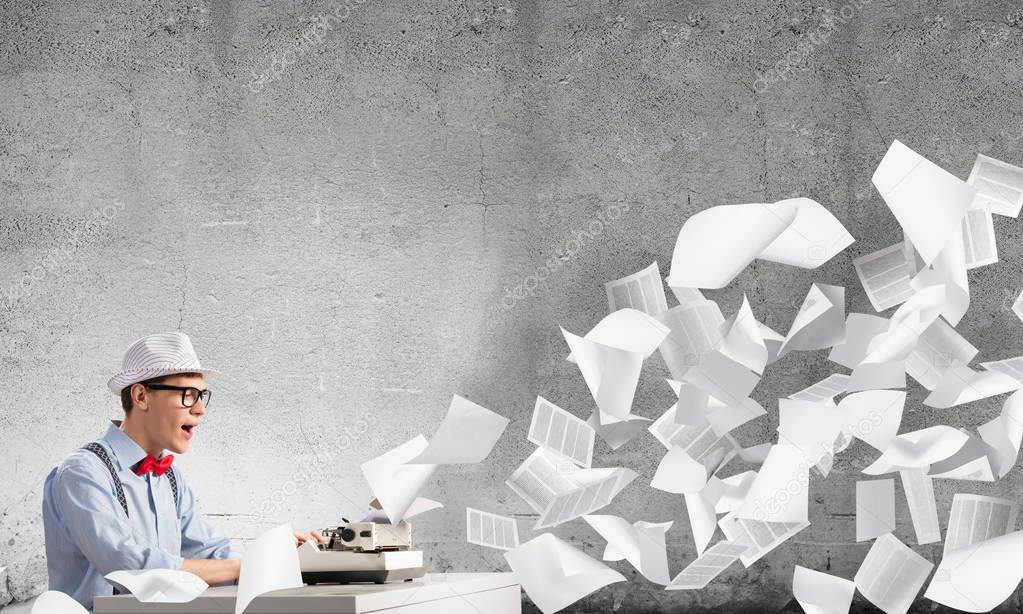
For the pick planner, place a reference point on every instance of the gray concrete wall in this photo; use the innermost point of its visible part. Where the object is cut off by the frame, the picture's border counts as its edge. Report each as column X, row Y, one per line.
column 337, row 213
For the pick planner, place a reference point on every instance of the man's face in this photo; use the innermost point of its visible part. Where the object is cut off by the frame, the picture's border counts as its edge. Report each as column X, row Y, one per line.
column 167, row 422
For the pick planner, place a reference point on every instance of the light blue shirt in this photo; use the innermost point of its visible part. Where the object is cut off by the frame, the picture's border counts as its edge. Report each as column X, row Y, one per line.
column 88, row 536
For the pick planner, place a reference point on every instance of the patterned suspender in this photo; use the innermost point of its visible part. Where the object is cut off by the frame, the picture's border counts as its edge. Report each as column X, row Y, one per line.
column 101, row 452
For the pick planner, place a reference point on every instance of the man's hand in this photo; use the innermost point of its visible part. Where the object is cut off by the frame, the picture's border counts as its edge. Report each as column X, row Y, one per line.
column 301, row 538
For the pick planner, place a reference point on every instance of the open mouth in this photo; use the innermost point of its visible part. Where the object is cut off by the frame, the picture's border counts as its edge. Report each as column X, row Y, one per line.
column 188, row 428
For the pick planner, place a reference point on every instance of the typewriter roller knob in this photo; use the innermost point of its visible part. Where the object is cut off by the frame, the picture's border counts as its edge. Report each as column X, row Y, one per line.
column 347, row 534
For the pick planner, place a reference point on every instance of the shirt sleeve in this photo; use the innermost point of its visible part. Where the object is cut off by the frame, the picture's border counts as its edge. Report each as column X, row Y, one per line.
column 97, row 524
column 198, row 539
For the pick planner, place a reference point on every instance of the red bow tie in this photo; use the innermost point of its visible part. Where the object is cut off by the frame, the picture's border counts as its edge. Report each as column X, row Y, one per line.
column 158, row 467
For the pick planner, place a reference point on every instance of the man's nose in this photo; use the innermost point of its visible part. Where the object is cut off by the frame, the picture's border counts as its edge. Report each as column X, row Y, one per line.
column 199, row 408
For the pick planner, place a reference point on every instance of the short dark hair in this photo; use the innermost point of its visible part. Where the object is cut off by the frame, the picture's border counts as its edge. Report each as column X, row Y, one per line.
column 126, row 403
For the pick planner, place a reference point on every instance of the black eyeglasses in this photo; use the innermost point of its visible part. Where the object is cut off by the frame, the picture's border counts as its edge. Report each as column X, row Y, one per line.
column 189, row 396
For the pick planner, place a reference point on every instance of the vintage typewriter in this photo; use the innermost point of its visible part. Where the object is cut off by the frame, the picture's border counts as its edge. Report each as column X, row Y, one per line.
column 362, row 552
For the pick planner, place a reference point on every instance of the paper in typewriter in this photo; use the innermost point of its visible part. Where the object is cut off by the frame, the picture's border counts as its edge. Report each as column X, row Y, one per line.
column 824, row 390
column 643, row 291
column 761, row 537
column 707, row 566
column 557, row 430
column 999, row 185
column 891, row 574
column 885, row 275
column 486, row 529
column 975, row 518
column 938, row 346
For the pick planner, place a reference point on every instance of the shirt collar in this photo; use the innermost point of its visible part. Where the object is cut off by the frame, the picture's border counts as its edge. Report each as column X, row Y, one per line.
column 128, row 452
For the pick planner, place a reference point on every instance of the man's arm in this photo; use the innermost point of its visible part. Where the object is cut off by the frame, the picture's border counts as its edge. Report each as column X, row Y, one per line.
column 82, row 497
column 198, row 539
column 214, row 571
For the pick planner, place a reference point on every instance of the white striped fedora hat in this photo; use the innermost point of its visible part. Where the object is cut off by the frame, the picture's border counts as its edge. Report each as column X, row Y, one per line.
column 156, row 356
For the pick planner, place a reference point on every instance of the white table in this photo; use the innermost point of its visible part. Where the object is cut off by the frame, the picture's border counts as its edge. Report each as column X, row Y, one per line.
column 453, row 593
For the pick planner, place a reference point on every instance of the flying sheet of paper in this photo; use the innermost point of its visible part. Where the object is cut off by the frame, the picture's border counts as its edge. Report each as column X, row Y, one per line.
column 490, row 530
column 695, row 328
column 722, row 378
column 875, row 508
column 742, row 340
column 559, row 431
column 937, row 348
column 860, row 329
column 685, row 296
column 919, row 489
column 419, row 506
column 979, row 236
column 971, row 462
column 610, row 373
column 698, row 441
column 975, row 518
column 594, row 489
column 466, row 436
column 555, row 575
column 999, row 185
column 918, row 449
column 979, row 577
column 892, row 574
column 630, row 330
column 905, row 326
column 820, row 322
column 640, row 543
column 707, row 566
column 617, row 434
column 394, row 481
column 727, row 494
column 542, row 477
column 761, row 537
column 872, row 416
column 716, row 244
column 1004, row 433
column 885, row 275
column 821, row 593
column 680, row 473
column 948, row 270
column 785, row 471
column 270, row 564
column 961, row 384
column 692, row 403
column 825, row 390
column 56, row 602
column 928, row 201
column 643, row 291
column 158, row 585
column 811, row 427
column 1013, row 367
column 703, row 520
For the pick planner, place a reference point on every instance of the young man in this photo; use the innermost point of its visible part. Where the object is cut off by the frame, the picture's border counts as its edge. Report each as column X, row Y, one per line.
column 117, row 503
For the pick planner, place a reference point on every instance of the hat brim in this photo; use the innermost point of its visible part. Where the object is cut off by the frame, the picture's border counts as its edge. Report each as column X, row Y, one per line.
column 122, row 380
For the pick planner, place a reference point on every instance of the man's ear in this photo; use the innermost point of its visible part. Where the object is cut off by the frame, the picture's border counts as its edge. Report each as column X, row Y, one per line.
column 139, row 398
